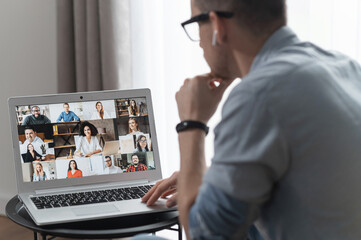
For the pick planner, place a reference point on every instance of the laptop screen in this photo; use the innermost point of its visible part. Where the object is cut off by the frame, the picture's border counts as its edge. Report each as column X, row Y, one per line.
column 85, row 138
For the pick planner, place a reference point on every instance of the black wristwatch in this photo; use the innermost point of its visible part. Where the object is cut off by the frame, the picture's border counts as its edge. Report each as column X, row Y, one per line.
column 185, row 125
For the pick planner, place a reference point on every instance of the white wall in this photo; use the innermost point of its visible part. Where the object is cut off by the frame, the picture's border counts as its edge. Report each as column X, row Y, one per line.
column 27, row 66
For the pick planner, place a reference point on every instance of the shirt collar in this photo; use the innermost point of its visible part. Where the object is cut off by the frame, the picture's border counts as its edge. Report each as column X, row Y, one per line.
column 283, row 37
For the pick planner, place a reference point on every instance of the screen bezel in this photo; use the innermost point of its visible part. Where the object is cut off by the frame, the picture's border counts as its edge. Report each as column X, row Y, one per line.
column 151, row 175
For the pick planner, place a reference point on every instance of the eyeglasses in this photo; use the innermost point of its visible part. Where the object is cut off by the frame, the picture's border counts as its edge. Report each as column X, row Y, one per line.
column 36, row 110
column 191, row 26
column 143, row 141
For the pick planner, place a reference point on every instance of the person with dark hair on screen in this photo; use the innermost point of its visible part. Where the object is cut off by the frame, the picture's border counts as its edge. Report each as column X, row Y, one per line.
column 100, row 112
column 36, row 118
column 88, row 143
column 67, row 115
column 142, row 145
column 110, row 168
column 136, row 165
column 287, row 151
column 32, row 155
column 133, row 109
column 73, row 171
column 31, row 137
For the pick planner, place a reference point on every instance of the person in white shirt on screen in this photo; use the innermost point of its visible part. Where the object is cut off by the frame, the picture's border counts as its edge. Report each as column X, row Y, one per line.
column 31, row 138
column 88, row 143
column 100, row 113
column 110, row 168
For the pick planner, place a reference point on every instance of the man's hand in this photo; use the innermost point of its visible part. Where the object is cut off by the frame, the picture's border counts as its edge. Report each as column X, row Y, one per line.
column 163, row 189
column 199, row 97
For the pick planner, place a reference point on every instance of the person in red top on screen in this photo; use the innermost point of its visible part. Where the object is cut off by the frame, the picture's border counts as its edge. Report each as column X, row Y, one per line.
column 73, row 170
column 136, row 166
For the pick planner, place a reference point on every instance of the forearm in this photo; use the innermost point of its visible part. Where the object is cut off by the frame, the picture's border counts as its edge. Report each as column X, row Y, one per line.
column 193, row 166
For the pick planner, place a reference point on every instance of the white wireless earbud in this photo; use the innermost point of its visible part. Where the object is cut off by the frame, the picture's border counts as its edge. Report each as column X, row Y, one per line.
column 214, row 38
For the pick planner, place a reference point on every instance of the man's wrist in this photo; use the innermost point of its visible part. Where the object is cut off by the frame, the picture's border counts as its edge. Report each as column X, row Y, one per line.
column 191, row 125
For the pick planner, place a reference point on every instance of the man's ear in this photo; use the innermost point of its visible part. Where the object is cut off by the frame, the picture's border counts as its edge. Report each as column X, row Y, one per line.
column 218, row 27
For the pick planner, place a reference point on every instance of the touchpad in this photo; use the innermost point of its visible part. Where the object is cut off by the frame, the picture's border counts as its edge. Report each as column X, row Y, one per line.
column 103, row 209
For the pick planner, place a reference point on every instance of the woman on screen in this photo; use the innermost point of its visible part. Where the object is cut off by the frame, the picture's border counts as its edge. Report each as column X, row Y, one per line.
column 100, row 113
column 133, row 109
column 73, row 170
column 32, row 155
column 39, row 174
column 133, row 127
column 88, row 143
column 142, row 145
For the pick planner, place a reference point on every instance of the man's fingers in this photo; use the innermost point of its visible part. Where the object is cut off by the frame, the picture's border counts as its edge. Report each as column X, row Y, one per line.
column 168, row 192
column 171, row 202
column 157, row 193
column 150, row 192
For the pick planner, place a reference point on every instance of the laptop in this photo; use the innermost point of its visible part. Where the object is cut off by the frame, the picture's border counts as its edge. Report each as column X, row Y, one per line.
column 66, row 176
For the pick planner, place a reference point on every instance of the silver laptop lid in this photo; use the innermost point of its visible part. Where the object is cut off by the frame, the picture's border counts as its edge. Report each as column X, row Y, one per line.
column 58, row 139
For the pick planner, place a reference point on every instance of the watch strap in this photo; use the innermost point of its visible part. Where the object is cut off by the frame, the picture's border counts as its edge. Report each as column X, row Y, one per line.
column 186, row 125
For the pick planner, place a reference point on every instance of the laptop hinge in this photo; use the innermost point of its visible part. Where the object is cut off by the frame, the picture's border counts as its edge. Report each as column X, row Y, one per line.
column 91, row 187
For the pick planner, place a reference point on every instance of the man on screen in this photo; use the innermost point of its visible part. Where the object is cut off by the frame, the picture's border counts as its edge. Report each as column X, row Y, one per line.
column 31, row 138
column 36, row 118
column 67, row 115
column 136, row 166
column 110, row 168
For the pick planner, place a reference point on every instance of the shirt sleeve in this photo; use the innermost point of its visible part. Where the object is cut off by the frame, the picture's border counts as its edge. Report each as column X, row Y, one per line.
column 97, row 145
column 26, row 121
column 60, row 117
column 251, row 152
column 217, row 215
column 47, row 120
column 76, row 118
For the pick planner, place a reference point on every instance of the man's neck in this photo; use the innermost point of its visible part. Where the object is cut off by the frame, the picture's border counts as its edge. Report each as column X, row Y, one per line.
column 246, row 54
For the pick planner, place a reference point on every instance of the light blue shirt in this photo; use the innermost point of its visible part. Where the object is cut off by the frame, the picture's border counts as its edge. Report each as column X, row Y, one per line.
column 287, row 150
column 68, row 117
column 39, row 178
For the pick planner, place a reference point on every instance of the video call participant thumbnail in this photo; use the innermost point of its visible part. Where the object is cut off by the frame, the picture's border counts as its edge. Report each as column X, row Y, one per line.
column 110, row 168
column 133, row 127
column 39, row 174
column 142, row 145
column 73, row 171
column 136, row 166
column 100, row 112
column 88, row 143
column 31, row 137
column 36, row 118
column 32, row 155
column 67, row 115
column 133, row 109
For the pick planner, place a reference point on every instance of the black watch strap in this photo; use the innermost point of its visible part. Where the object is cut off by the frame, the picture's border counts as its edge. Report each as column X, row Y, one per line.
column 185, row 125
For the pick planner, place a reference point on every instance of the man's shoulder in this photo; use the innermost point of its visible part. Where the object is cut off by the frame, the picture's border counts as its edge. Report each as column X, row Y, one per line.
column 290, row 69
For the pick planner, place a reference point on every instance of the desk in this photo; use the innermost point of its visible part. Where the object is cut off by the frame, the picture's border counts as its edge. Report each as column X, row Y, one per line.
column 104, row 228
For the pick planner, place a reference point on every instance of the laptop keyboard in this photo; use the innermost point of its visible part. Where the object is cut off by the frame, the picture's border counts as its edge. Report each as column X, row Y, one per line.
column 82, row 198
